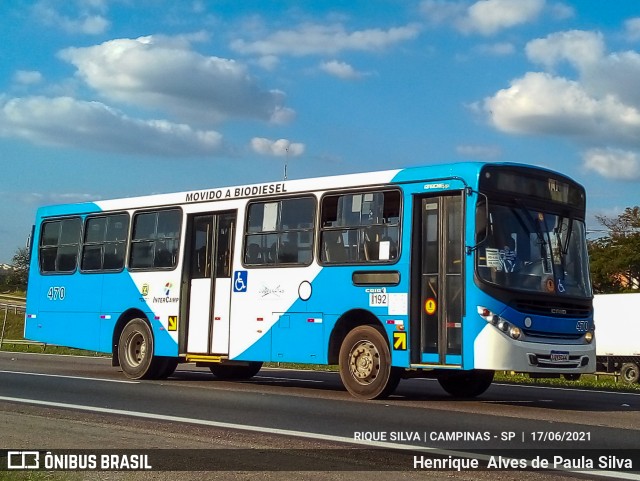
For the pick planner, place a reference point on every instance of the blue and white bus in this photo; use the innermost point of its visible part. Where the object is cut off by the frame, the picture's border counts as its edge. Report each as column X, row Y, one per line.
column 450, row 271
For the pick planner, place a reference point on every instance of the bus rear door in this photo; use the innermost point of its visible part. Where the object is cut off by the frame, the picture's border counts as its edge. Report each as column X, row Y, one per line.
column 208, row 283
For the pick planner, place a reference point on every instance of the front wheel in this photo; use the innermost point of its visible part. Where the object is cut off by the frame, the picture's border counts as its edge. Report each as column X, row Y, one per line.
column 630, row 372
column 466, row 384
column 365, row 364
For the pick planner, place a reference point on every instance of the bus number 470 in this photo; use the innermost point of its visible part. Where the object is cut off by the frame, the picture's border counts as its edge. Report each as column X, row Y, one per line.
column 582, row 326
column 56, row 293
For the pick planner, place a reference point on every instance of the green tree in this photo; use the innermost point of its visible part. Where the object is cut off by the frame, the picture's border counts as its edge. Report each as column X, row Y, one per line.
column 19, row 276
column 615, row 257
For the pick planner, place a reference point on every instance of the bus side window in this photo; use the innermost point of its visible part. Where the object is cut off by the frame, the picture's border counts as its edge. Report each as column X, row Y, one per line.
column 155, row 240
column 280, row 232
column 360, row 228
column 104, row 244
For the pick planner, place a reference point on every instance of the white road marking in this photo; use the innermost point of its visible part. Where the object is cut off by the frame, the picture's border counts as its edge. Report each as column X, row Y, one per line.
column 123, row 381
column 570, row 389
column 551, row 388
column 298, row 434
column 286, row 379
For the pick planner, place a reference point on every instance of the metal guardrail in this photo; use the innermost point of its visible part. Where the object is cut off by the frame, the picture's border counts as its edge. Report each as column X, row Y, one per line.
column 23, row 342
column 12, row 307
column 7, row 308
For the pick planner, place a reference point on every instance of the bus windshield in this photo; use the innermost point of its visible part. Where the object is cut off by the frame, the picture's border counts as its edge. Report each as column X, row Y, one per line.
column 534, row 251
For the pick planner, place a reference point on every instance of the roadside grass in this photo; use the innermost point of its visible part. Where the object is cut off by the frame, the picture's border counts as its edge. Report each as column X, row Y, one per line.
column 587, row 381
column 14, row 331
column 14, row 327
column 594, row 382
column 38, row 476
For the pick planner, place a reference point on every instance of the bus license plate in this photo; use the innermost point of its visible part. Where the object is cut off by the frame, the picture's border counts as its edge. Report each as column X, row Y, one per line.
column 559, row 356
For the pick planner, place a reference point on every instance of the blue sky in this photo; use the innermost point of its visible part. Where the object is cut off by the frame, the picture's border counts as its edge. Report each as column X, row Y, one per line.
column 113, row 98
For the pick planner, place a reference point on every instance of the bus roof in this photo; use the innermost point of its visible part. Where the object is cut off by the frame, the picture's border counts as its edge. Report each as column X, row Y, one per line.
column 469, row 171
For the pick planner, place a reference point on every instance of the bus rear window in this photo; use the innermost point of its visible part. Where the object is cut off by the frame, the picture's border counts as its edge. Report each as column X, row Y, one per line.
column 59, row 242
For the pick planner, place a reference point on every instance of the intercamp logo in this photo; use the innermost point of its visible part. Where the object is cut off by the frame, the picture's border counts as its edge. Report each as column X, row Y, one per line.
column 23, row 460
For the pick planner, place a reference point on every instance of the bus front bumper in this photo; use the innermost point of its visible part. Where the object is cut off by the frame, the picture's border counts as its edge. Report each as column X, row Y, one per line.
column 495, row 351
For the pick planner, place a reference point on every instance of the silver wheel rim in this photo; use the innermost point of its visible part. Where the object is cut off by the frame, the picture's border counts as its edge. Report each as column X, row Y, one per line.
column 364, row 362
column 136, row 349
column 630, row 374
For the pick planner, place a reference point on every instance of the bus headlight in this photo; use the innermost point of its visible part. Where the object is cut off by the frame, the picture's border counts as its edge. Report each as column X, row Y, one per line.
column 515, row 332
column 500, row 323
column 588, row 337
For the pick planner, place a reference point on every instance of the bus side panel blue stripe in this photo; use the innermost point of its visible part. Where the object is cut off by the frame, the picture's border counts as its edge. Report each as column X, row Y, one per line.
column 333, row 295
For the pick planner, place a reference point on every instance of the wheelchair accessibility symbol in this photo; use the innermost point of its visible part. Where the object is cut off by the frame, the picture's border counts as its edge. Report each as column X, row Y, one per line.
column 240, row 281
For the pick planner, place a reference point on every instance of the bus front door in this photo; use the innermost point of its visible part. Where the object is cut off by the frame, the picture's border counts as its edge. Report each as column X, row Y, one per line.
column 437, row 278
column 209, row 282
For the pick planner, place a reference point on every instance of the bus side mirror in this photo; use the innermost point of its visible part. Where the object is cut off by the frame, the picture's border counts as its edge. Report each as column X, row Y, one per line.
column 482, row 224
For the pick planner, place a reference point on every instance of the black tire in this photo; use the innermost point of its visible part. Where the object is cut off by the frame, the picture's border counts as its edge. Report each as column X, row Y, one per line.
column 166, row 366
column 571, row 377
column 365, row 364
column 466, row 384
column 135, row 353
column 233, row 371
column 630, row 372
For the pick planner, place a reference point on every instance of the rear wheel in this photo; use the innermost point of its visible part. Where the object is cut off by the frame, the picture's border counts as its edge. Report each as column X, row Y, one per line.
column 630, row 372
column 135, row 353
column 365, row 364
column 466, row 384
column 235, row 371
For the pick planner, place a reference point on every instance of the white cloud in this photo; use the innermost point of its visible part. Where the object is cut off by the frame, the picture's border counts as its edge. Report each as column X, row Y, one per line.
column 499, row 49
column 88, row 16
column 600, row 73
column 38, row 198
column 632, row 29
column 613, row 163
column 163, row 73
column 312, row 39
column 340, row 69
column 488, row 17
column 441, row 11
column 67, row 122
column 561, row 11
column 276, row 148
column 539, row 103
column 268, row 62
column 486, row 152
column 598, row 106
column 484, row 17
column 27, row 77
column 580, row 48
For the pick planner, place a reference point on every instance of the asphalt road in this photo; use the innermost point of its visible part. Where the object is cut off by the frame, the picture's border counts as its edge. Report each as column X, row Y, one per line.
column 58, row 402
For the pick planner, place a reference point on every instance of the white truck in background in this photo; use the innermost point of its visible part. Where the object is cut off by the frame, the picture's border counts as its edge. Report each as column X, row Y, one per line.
column 617, row 321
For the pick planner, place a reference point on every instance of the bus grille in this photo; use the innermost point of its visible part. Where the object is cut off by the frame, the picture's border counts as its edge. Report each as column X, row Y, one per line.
column 546, row 336
column 557, row 309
